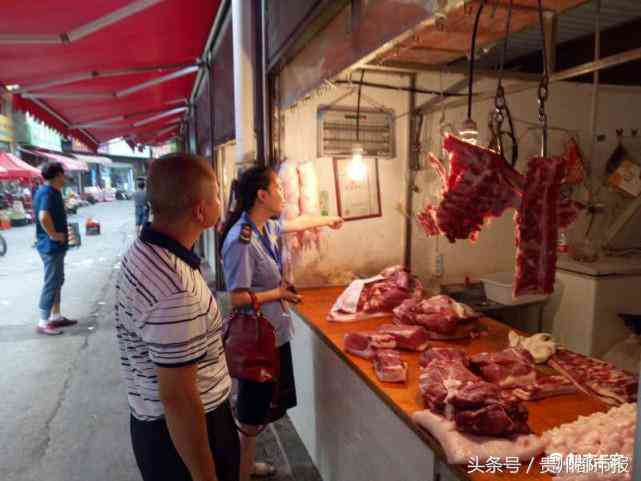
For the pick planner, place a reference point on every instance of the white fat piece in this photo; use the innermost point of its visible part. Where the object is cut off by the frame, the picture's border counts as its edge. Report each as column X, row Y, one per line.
column 541, row 346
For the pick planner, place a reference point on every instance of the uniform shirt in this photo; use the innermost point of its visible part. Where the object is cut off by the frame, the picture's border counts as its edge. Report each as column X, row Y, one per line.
column 50, row 199
column 166, row 316
column 251, row 266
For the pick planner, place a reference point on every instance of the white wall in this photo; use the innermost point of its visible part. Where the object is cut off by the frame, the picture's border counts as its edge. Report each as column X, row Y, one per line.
column 362, row 246
column 569, row 106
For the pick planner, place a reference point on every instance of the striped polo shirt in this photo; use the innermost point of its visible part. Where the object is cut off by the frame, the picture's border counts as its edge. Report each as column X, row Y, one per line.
column 166, row 316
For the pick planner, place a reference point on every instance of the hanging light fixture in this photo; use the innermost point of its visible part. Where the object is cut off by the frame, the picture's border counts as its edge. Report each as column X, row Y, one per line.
column 469, row 130
column 357, row 170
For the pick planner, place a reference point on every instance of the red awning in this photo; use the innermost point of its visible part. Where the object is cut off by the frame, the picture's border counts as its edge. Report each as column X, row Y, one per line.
column 100, row 70
column 12, row 168
column 69, row 164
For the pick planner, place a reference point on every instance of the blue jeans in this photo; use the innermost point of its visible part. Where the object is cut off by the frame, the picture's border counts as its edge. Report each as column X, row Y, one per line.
column 54, row 279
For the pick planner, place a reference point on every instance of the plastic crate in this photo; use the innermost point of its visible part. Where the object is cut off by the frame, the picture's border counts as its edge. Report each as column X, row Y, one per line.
column 499, row 287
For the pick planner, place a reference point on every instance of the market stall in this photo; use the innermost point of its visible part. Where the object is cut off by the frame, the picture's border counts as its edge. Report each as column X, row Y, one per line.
column 444, row 185
column 16, row 180
column 346, row 412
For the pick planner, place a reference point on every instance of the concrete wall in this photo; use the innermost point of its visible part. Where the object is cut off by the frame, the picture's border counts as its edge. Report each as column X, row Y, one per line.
column 361, row 246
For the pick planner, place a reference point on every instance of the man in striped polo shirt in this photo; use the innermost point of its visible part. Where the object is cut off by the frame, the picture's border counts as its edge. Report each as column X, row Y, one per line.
column 169, row 331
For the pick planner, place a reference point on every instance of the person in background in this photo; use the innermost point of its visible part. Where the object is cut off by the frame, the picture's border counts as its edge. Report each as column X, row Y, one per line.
column 252, row 261
column 169, row 326
column 142, row 211
column 51, row 234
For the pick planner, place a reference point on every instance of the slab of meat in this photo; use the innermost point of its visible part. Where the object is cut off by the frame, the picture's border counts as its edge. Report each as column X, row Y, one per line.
column 537, row 227
column 389, row 366
column 601, row 433
column 411, row 338
column 365, row 343
column 397, row 285
column 574, row 168
column 309, row 203
column 595, row 377
column 544, row 387
column 427, row 220
column 475, row 406
column 444, row 354
column 288, row 174
column 438, row 375
column 439, row 314
column 460, row 447
column 512, row 367
column 480, row 185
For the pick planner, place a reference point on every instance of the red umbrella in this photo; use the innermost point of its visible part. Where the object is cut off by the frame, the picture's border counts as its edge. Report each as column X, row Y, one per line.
column 12, row 168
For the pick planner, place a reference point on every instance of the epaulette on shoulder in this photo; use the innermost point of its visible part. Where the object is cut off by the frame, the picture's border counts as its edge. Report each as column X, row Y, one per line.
column 245, row 236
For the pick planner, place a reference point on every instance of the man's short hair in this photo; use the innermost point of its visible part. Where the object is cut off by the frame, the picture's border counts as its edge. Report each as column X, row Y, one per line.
column 51, row 169
column 177, row 182
column 141, row 185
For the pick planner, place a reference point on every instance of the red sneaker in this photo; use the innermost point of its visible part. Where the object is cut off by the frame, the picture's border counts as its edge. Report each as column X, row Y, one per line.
column 63, row 322
column 48, row 330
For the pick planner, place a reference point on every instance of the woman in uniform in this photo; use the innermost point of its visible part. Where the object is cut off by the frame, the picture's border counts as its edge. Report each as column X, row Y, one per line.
column 252, row 261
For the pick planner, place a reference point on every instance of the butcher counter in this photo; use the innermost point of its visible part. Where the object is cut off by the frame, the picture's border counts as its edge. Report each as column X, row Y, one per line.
column 359, row 429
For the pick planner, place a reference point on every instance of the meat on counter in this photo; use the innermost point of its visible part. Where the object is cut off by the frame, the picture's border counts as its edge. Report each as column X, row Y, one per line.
column 389, row 366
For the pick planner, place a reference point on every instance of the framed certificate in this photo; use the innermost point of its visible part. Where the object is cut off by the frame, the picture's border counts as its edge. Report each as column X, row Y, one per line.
column 357, row 198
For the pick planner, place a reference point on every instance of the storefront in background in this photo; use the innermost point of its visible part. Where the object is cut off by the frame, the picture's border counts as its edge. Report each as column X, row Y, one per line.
column 6, row 133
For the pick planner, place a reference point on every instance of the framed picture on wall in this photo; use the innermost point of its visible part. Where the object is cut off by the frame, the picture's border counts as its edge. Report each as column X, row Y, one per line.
column 358, row 194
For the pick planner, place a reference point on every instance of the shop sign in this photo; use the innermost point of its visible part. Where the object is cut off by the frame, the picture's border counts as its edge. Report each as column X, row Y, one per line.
column 42, row 136
column 6, row 129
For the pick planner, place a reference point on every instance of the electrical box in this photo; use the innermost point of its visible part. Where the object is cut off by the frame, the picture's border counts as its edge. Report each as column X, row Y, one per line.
column 337, row 132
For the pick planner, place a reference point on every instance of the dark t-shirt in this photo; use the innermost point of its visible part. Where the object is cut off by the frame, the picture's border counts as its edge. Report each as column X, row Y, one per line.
column 49, row 199
column 140, row 200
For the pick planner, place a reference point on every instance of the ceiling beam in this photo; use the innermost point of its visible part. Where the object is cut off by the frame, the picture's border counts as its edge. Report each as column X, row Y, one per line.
column 68, row 96
column 415, row 67
column 157, row 81
column 109, row 19
column 79, row 77
column 83, row 30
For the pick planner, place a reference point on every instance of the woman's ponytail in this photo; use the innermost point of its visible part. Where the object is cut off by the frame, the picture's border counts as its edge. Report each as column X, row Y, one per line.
column 245, row 191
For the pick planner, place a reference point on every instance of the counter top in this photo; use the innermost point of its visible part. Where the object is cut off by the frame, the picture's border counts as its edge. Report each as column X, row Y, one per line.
column 604, row 266
column 406, row 398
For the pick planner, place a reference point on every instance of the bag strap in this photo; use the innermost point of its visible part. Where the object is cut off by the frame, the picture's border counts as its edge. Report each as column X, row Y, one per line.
column 255, row 303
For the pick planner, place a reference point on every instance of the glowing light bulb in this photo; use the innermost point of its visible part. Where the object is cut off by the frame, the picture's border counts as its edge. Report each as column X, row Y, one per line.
column 469, row 131
column 357, row 170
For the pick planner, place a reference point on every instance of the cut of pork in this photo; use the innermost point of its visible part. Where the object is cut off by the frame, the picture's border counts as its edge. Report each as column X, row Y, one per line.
column 512, row 367
column 440, row 315
column 537, row 223
column 411, row 338
column 476, row 406
column 544, row 387
column 596, row 377
column 480, row 185
column 389, row 366
column 365, row 343
column 444, row 354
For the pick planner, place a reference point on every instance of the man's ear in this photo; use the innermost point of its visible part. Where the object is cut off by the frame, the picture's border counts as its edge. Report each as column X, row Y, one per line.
column 198, row 211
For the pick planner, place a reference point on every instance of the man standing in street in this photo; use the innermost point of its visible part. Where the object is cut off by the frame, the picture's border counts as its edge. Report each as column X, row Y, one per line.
column 51, row 235
column 140, row 202
column 169, row 332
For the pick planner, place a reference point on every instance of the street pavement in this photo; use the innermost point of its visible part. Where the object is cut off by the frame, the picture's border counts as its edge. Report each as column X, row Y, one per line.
column 64, row 413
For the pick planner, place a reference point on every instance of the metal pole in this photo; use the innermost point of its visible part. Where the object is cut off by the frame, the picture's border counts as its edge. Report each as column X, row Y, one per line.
column 412, row 160
column 595, row 91
column 636, row 459
column 259, row 84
